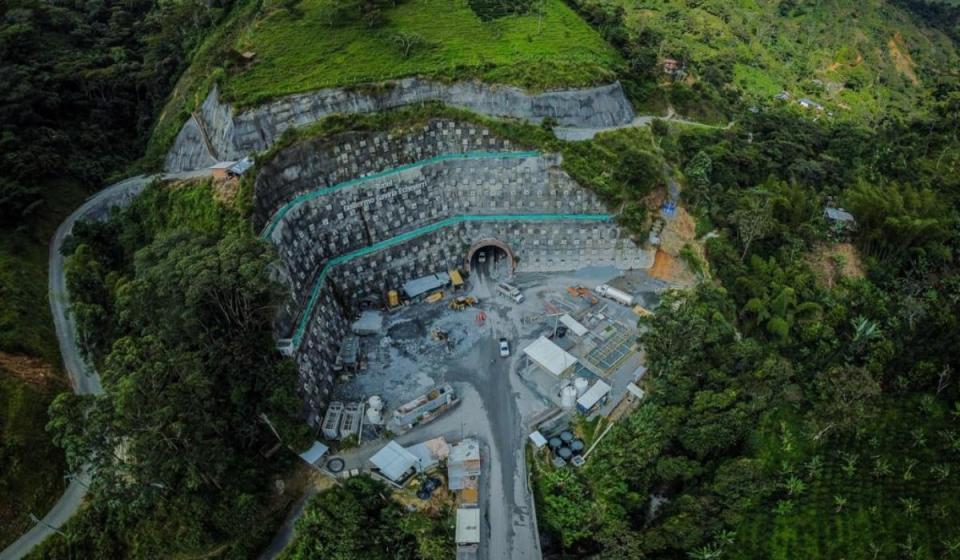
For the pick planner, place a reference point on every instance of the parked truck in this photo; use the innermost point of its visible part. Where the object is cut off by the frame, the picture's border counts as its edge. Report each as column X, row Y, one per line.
column 619, row 296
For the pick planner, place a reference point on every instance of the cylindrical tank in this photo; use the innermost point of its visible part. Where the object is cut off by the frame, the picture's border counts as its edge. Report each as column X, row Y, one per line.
column 568, row 397
column 615, row 294
column 581, row 384
column 555, row 443
column 375, row 410
column 565, row 453
column 576, row 446
column 566, row 437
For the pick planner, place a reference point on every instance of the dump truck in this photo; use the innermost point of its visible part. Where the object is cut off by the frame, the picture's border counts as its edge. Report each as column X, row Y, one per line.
column 619, row 296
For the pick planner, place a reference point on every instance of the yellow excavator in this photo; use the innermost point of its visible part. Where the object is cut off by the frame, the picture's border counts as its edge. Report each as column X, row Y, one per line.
column 463, row 302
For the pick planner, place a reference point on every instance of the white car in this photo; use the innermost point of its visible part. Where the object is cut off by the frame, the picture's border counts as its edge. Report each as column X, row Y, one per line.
column 504, row 348
column 482, row 257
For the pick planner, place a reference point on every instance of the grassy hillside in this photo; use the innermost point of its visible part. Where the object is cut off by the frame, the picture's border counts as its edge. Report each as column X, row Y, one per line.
column 856, row 58
column 310, row 48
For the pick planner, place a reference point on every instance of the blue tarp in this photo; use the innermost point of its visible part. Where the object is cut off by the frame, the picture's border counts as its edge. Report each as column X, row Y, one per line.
column 420, row 286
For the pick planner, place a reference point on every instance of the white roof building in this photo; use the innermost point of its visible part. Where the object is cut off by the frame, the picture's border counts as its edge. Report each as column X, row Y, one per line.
column 549, row 356
column 315, row 453
column 594, row 394
column 574, row 325
column 468, row 525
column 538, row 440
column 394, row 462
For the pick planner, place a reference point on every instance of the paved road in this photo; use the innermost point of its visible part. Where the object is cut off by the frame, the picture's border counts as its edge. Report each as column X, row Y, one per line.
column 487, row 385
column 579, row 134
column 83, row 378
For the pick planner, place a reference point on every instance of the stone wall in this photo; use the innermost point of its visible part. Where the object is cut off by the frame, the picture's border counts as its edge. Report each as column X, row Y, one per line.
column 231, row 134
column 319, row 163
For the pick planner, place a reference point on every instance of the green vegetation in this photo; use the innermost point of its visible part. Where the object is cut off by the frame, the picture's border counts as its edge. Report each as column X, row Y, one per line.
column 785, row 419
column 32, row 467
column 358, row 519
column 859, row 59
column 322, row 43
column 80, row 84
column 174, row 305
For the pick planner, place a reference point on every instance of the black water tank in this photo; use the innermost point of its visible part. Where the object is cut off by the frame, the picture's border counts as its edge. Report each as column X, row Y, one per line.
column 565, row 453
column 566, row 436
column 555, row 442
column 576, row 446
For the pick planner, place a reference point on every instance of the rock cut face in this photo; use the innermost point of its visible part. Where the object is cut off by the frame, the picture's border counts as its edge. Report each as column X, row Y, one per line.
column 218, row 132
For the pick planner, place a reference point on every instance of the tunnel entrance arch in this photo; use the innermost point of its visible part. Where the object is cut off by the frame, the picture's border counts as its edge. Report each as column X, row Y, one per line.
column 490, row 242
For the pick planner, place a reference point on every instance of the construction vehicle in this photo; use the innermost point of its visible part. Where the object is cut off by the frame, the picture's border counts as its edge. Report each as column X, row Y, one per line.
column 456, row 280
column 462, row 302
column 434, row 297
column 393, row 299
column 511, row 292
column 581, row 291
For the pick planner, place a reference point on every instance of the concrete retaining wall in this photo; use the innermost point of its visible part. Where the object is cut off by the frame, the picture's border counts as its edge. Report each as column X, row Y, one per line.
column 320, row 200
column 232, row 134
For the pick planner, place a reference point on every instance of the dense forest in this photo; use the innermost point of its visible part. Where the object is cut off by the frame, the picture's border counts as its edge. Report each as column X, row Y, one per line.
column 174, row 305
column 358, row 519
column 799, row 407
column 81, row 84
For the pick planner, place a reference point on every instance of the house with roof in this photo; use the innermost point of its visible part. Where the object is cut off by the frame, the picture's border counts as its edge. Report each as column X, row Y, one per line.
column 840, row 221
column 808, row 103
column 463, row 464
column 394, row 464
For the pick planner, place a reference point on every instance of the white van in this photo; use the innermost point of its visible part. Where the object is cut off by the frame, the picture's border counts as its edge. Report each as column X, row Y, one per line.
column 511, row 292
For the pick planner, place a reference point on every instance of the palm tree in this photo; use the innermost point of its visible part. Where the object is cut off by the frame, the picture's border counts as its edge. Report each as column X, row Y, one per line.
column 795, row 486
column 707, row 552
column 840, row 502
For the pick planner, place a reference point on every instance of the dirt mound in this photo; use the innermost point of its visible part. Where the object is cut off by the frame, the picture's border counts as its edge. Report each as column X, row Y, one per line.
column 670, row 269
column 34, row 371
column 678, row 232
column 901, row 58
column 832, row 261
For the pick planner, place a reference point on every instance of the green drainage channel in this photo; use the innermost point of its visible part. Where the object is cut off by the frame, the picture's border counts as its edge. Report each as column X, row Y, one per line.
column 278, row 216
column 403, row 237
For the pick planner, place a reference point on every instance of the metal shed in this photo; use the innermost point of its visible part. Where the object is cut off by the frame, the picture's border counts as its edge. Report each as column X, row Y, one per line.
column 549, row 356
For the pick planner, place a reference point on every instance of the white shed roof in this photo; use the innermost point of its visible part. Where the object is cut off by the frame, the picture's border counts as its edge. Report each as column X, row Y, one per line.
column 315, row 453
column 393, row 461
column 468, row 525
column 538, row 439
column 593, row 395
column 549, row 356
column 573, row 325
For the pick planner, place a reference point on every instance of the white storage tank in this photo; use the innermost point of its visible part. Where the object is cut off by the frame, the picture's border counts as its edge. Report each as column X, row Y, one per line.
column 568, row 397
column 610, row 292
column 375, row 410
column 581, row 384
